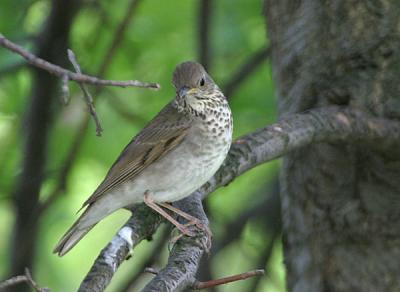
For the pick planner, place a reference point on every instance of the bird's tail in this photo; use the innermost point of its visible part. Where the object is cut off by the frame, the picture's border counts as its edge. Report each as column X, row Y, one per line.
column 74, row 234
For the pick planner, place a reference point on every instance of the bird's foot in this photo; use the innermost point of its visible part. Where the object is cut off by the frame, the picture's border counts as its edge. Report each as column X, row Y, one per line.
column 196, row 228
column 205, row 241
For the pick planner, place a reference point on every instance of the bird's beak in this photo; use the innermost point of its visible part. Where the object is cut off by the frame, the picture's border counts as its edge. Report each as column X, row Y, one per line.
column 186, row 90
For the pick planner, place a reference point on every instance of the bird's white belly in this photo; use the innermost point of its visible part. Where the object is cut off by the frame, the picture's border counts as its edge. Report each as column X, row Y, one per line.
column 176, row 175
column 179, row 174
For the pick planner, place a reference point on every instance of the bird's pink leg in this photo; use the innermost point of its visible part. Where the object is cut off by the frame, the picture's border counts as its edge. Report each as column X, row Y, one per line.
column 153, row 205
column 192, row 220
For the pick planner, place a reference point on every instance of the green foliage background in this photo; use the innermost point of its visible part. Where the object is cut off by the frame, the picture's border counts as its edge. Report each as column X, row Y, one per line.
column 162, row 34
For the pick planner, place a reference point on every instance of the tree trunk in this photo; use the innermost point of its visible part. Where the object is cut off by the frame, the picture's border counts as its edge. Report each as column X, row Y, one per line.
column 52, row 45
column 340, row 201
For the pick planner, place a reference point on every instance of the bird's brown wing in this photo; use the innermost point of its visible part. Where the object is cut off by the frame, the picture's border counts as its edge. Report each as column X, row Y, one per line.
column 161, row 135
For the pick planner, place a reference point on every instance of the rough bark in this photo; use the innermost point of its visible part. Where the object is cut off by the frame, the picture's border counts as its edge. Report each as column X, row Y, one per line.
column 51, row 42
column 340, row 201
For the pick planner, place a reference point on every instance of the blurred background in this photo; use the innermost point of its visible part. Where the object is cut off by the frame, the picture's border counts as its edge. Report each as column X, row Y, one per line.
column 51, row 159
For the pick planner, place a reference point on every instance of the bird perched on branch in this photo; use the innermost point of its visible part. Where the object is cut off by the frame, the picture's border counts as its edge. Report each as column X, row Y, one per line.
column 175, row 154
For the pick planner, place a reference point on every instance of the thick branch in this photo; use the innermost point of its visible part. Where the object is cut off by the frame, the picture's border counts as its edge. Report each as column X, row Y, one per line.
column 152, row 258
column 142, row 224
column 330, row 124
column 61, row 72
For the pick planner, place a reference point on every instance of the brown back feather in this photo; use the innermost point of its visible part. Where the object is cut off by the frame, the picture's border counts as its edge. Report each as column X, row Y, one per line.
column 165, row 132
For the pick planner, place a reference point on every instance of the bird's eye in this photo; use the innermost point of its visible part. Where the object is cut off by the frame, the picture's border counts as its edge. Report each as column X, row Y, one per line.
column 202, row 81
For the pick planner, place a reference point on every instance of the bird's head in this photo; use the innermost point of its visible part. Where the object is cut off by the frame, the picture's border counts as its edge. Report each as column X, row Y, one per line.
column 196, row 92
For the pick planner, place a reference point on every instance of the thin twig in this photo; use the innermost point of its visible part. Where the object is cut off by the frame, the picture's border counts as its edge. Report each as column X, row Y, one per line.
column 27, row 278
column 197, row 285
column 86, row 93
column 12, row 281
column 60, row 72
column 264, row 258
column 33, row 284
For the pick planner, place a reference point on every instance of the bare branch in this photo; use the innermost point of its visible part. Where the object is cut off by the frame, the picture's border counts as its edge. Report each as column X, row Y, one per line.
column 152, row 258
column 212, row 283
column 13, row 281
column 198, row 285
column 33, row 284
column 27, row 278
column 142, row 224
column 60, row 72
column 86, row 93
column 265, row 257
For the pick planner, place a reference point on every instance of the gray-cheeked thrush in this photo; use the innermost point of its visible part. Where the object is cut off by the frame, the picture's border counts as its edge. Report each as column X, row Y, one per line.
column 175, row 154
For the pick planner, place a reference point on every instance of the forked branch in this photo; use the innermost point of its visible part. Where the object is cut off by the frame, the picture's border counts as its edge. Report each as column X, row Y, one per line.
column 67, row 75
column 27, row 278
column 61, row 72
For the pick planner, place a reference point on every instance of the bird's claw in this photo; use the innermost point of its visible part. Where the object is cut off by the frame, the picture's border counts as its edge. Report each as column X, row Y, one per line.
column 196, row 229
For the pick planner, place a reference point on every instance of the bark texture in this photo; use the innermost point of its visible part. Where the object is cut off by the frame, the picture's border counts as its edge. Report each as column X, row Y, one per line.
column 340, row 201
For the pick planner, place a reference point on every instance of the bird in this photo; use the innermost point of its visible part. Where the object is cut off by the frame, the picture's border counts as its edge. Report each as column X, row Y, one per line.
column 177, row 152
